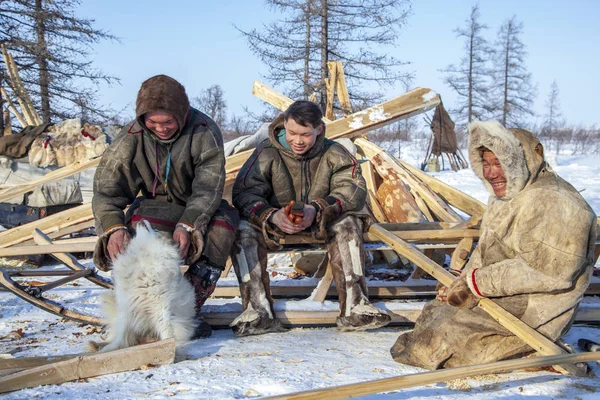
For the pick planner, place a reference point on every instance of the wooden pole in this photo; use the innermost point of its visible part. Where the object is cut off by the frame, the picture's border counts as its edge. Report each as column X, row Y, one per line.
column 13, row 108
column 90, row 365
column 458, row 199
column 55, row 175
column 342, row 90
column 530, row 336
column 427, row 378
column 80, row 216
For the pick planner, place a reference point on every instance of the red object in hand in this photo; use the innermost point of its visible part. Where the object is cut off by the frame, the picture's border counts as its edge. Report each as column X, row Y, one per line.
column 294, row 212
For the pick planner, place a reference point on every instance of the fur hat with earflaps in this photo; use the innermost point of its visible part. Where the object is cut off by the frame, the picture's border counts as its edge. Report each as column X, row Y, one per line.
column 162, row 93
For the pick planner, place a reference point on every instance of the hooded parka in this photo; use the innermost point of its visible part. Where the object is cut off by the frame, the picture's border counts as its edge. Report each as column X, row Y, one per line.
column 329, row 178
column 534, row 258
column 183, row 176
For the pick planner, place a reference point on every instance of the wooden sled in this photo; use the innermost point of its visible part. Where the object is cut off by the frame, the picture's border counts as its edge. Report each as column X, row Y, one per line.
column 33, row 292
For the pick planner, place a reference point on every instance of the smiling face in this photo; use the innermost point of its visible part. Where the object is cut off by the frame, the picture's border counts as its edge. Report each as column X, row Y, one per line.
column 163, row 124
column 300, row 138
column 494, row 173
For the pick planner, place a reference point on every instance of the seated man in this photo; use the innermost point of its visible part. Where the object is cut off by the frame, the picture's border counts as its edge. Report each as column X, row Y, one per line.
column 534, row 258
column 298, row 163
column 173, row 154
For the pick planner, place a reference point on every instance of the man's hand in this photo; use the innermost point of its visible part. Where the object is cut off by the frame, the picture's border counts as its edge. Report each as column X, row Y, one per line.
column 310, row 212
column 459, row 294
column 280, row 219
column 182, row 237
column 442, row 292
column 117, row 243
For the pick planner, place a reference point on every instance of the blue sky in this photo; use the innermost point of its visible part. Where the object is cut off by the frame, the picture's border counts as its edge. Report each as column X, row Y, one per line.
column 196, row 43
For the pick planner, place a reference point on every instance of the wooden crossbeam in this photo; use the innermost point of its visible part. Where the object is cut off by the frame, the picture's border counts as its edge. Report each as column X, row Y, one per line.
column 409, row 104
column 80, row 215
column 427, row 378
column 13, row 108
column 458, row 199
column 55, row 175
column 530, row 336
column 388, row 168
column 90, row 365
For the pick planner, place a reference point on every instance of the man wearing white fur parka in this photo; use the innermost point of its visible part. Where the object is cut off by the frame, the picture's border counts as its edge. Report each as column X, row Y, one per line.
column 534, row 258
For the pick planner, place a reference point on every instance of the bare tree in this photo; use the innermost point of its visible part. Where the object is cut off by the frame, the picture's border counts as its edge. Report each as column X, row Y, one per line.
column 212, row 102
column 297, row 47
column 52, row 50
column 470, row 79
column 553, row 113
column 513, row 90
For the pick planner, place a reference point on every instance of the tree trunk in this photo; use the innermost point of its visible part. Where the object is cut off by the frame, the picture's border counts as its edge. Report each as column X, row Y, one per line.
column 1, row 103
column 307, row 13
column 42, row 60
column 470, row 100
column 324, row 53
column 506, row 70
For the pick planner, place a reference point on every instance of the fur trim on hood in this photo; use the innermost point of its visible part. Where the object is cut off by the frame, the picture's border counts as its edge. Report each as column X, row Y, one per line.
column 505, row 145
column 162, row 93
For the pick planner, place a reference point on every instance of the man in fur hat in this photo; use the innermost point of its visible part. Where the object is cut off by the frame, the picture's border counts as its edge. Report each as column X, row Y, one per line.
column 534, row 258
column 298, row 163
column 172, row 154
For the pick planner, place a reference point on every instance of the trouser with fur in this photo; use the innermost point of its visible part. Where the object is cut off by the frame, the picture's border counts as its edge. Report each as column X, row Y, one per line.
column 346, row 253
column 218, row 241
column 249, row 257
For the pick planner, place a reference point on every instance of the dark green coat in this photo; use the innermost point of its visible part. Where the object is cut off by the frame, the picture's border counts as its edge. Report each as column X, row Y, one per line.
column 327, row 176
column 196, row 174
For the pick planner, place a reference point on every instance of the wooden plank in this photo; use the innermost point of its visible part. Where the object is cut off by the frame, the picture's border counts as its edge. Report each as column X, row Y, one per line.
column 342, row 90
column 330, row 85
column 22, row 96
column 530, row 336
column 53, row 223
column 65, row 257
column 388, row 168
column 381, row 289
column 90, row 365
column 458, row 199
column 426, row 378
column 461, row 254
column 404, row 317
column 421, row 236
column 369, row 175
column 46, row 249
column 409, row 104
column 324, row 285
column 60, row 173
column 13, row 108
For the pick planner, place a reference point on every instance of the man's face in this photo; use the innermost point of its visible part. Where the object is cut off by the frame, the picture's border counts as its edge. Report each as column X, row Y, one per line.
column 494, row 173
column 163, row 124
column 300, row 138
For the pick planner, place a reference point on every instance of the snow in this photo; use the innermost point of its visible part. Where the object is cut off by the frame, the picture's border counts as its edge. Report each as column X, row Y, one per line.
column 428, row 96
column 226, row 367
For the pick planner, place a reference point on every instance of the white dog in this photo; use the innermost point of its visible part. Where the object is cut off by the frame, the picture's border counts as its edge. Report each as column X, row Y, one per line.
column 152, row 300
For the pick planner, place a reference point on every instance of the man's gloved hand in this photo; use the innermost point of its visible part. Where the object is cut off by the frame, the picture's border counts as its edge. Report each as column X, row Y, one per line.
column 459, row 294
column 207, row 274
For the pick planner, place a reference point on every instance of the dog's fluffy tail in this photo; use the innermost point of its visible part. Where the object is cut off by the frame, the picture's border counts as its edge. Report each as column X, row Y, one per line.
column 109, row 309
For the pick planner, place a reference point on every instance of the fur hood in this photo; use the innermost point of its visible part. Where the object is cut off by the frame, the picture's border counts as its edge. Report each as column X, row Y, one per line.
column 162, row 93
column 515, row 149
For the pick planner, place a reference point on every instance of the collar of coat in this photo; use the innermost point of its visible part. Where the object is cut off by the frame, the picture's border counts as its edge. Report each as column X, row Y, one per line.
column 515, row 149
column 274, row 129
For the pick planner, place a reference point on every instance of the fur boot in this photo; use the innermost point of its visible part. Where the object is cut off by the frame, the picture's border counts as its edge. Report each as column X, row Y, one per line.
column 250, row 263
column 346, row 254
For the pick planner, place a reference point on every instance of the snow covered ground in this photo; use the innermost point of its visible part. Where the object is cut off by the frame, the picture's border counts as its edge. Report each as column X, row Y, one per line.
column 226, row 367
